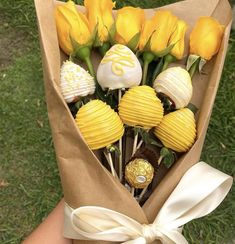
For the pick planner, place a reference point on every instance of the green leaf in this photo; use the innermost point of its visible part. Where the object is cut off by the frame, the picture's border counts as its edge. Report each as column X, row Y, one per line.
column 95, row 37
column 201, row 64
column 112, row 33
column 191, row 60
column 132, row 44
column 168, row 156
column 104, row 48
column 146, row 137
column 169, row 160
column 164, row 152
column 154, row 143
column 164, row 52
column 75, row 44
column 148, row 43
column 194, row 67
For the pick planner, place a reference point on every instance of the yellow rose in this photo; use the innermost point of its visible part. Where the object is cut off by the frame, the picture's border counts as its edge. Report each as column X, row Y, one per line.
column 129, row 24
column 71, row 25
column 160, row 29
column 100, row 12
column 206, row 37
column 177, row 39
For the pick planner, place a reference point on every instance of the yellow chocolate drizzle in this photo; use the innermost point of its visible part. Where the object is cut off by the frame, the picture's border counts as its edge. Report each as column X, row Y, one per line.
column 177, row 130
column 119, row 56
column 140, row 106
column 99, row 124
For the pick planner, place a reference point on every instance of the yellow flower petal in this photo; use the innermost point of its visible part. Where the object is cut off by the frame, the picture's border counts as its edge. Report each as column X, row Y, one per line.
column 71, row 24
column 129, row 22
column 177, row 39
column 206, row 37
column 100, row 12
column 160, row 27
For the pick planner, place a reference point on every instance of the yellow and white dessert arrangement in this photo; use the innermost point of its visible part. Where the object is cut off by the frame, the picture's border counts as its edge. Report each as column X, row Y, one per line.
column 160, row 39
column 132, row 93
column 75, row 82
column 119, row 69
column 140, row 107
column 176, row 84
column 177, row 130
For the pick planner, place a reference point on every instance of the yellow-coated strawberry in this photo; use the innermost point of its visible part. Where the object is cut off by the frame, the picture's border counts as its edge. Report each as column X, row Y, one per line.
column 177, row 130
column 99, row 124
column 141, row 107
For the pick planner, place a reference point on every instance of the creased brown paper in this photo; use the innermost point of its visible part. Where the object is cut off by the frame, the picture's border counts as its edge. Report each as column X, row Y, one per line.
column 84, row 180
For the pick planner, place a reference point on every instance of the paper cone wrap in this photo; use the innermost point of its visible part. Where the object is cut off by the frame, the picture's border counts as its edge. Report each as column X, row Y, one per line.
column 85, row 180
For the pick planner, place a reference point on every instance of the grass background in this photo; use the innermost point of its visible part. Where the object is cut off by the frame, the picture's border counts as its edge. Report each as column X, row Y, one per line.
column 29, row 180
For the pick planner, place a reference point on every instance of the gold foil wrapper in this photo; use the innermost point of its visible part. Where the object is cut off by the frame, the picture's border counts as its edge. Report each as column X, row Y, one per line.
column 139, row 173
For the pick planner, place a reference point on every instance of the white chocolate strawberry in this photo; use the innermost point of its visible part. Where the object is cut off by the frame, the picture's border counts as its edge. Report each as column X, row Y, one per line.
column 119, row 68
column 75, row 82
column 175, row 83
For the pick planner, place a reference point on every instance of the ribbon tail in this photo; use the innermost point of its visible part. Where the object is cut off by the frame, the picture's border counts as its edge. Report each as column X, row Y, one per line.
column 69, row 231
column 172, row 237
column 139, row 240
column 199, row 192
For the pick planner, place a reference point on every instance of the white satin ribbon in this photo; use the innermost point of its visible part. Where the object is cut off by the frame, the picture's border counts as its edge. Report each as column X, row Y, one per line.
column 199, row 192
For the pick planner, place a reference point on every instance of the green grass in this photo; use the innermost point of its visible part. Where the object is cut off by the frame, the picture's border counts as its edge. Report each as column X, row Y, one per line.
column 27, row 160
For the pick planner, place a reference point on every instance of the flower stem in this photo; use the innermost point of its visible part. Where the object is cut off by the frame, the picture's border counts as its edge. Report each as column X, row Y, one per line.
column 145, row 71
column 168, row 59
column 89, row 66
column 148, row 58
column 84, row 53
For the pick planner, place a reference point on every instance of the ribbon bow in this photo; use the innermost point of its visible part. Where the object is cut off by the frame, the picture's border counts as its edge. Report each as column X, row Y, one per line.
column 199, row 192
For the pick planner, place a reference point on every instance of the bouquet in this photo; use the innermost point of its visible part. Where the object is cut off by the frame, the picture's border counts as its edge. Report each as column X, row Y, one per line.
column 123, row 95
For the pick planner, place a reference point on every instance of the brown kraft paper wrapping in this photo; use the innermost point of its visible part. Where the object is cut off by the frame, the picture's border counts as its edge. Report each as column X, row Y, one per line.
column 84, row 180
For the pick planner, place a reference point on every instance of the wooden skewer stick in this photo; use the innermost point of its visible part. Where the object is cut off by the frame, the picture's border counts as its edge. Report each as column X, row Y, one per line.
column 159, row 160
column 111, row 164
column 110, row 161
column 139, row 144
column 142, row 193
column 135, row 144
column 120, row 141
column 133, row 191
